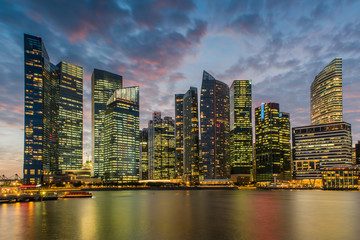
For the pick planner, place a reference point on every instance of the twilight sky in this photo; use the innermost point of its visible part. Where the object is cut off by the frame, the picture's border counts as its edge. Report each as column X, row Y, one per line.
column 163, row 47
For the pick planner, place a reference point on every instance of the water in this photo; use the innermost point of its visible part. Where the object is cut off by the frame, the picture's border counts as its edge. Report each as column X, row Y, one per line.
column 188, row 215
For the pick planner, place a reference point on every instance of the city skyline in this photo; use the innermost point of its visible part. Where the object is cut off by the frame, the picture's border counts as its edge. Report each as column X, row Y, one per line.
column 277, row 77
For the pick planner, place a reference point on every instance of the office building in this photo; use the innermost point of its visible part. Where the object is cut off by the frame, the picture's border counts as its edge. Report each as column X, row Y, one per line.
column 53, row 114
column 326, row 95
column 319, row 146
column 241, row 134
column 272, row 148
column 214, row 123
column 144, row 160
column 121, row 136
column 70, row 132
column 340, row 177
column 179, row 135
column 161, row 148
column 357, row 153
column 192, row 166
column 103, row 85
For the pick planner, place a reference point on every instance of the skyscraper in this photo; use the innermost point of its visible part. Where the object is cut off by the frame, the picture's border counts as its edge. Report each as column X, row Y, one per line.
column 161, row 147
column 192, row 167
column 70, row 133
column 272, row 148
column 103, row 85
column 121, row 136
column 214, row 122
column 53, row 113
column 37, row 72
column 144, row 159
column 241, row 136
column 179, row 135
column 326, row 94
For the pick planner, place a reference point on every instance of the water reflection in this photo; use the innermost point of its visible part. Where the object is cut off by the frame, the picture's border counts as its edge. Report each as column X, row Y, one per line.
column 187, row 215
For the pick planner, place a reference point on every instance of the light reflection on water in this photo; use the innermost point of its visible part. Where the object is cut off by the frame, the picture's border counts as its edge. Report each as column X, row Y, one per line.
column 187, row 215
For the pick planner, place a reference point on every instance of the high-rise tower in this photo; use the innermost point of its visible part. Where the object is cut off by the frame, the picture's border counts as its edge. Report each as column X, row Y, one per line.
column 121, row 136
column 37, row 72
column 214, row 122
column 53, row 114
column 241, row 135
column 192, row 167
column 103, row 85
column 144, row 159
column 161, row 147
column 326, row 94
column 179, row 135
column 70, row 133
column 272, row 148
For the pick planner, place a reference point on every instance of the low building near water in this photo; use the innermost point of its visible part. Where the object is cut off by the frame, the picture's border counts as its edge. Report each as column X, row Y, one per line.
column 340, row 177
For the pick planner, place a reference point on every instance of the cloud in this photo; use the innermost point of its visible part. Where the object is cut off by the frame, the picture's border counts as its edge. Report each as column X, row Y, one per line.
column 162, row 46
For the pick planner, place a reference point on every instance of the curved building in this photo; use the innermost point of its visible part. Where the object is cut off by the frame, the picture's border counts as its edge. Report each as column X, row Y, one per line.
column 326, row 94
column 214, row 122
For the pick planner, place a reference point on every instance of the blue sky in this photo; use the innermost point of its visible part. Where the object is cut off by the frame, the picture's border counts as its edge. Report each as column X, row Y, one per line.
column 163, row 46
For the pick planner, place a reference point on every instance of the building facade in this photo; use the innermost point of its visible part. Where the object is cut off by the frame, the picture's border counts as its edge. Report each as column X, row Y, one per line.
column 70, row 132
column 272, row 149
column 357, row 153
column 37, row 71
column 214, row 123
column 326, row 94
column 241, row 133
column 179, row 135
column 161, row 148
column 53, row 114
column 192, row 165
column 144, row 159
column 121, row 136
column 340, row 177
column 318, row 146
column 103, row 85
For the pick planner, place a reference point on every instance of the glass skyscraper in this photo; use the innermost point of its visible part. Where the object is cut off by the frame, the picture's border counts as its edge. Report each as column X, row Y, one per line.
column 214, row 123
column 272, row 148
column 144, row 159
column 121, row 136
column 326, row 94
column 53, row 113
column 37, row 71
column 70, row 132
column 161, row 148
column 192, row 167
column 241, row 134
column 103, row 85
column 179, row 135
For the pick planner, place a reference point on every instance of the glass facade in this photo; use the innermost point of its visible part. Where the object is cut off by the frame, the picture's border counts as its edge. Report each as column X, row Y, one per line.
column 214, row 123
column 241, row 135
column 70, row 134
column 103, row 85
column 326, row 94
column 144, row 160
column 179, row 135
column 121, row 136
column 318, row 146
column 272, row 138
column 341, row 177
column 192, row 167
column 161, row 148
column 37, row 71
column 53, row 113
column 357, row 153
